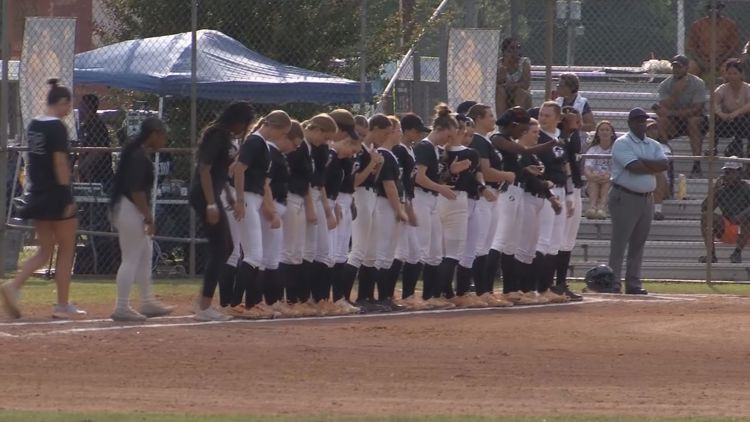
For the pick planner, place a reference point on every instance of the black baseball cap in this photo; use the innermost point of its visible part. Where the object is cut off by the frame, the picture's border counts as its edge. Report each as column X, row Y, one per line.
column 680, row 59
column 637, row 113
column 464, row 107
column 412, row 121
column 513, row 115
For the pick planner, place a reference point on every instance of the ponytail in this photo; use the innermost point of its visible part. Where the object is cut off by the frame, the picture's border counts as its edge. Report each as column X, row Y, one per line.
column 56, row 92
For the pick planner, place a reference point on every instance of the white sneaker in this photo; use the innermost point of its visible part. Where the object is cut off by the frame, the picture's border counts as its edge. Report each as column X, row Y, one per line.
column 196, row 307
column 127, row 315
column 211, row 314
column 155, row 309
column 69, row 311
column 9, row 296
column 346, row 307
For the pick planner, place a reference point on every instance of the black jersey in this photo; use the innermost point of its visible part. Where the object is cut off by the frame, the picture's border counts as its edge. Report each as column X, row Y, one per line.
column 466, row 180
column 347, row 185
column 572, row 150
column 510, row 159
column 389, row 171
column 334, row 175
column 361, row 161
column 300, row 169
column 138, row 176
column 534, row 185
column 216, row 149
column 554, row 161
column 255, row 155
column 426, row 154
column 320, row 159
column 406, row 160
column 46, row 136
column 487, row 150
column 279, row 174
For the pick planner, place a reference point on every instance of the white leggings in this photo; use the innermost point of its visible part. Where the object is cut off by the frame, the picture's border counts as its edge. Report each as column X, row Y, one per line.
column 573, row 223
column 362, row 251
column 508, row 230
column 453, row 217
column 478, row 214
column 272, row 240
column 295, row 228
column 430, row 231
column 528, row 222
column 408, row 249
column 246, row 234
column 552, row 226
column 317, row 237
column 136, row 249
column 343, row 232
column 385, row 235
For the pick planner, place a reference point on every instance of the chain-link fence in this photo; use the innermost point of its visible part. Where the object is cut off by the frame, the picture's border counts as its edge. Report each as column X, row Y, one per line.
column 305, row 56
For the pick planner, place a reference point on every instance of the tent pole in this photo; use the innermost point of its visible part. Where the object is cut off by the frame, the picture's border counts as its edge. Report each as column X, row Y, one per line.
column 4, row 47
column 362, row 55
column 193, row 120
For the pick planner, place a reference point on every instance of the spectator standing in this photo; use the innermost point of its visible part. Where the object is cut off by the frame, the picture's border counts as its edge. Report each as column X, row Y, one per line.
column 597, row 170
column 699, row 41
column 682, row 98
column 635, row 160
column 732, row 197
column 513, row 78
column 732, row 105
column 94, row 167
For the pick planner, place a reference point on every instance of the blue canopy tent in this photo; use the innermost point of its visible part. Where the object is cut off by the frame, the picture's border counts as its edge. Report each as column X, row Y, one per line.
column 226, row 70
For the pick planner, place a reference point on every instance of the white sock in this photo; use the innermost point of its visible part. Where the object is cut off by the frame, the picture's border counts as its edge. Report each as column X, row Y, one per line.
column 144, row 286
column 657, row 207
column 123, row 293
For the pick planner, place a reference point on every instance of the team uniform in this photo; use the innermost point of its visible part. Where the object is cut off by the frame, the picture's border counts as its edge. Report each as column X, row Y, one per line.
column 340, row 190
column 295, row 221
column 273, row 286
column 361, row 256
column 317, row 252
column 407, row 250
column 572, row 224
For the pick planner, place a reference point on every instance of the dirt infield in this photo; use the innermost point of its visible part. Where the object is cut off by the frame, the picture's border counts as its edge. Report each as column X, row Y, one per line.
column 661, row 356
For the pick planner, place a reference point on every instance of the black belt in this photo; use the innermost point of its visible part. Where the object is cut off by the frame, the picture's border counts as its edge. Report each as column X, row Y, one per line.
column 366, row 187
column 431, row 192
column 626, row 190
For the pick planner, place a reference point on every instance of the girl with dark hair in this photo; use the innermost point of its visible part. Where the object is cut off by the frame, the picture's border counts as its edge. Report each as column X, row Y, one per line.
column 215, row 155
column 513, row 78
column 131, row 212
column 597, row 170
column 50, row 204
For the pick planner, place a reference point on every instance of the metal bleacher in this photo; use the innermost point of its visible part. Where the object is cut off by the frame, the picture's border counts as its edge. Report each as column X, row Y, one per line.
column 674, row 244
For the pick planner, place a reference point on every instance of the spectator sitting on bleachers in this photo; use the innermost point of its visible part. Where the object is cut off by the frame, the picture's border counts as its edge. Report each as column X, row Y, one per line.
column 513, row 78
column 732, row 105
column 699, row 41
column 597, row 170
column 567, row 91
column 682, row 98
column 732, row 197
column 662, row 190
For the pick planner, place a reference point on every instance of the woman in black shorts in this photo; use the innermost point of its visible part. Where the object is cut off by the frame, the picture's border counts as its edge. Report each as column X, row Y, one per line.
column 211, row 178
column 49, row 204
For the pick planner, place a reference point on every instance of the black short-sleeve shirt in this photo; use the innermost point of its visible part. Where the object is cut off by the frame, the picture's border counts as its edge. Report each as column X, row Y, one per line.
column 300, row 169
column 46, row 136
column 554, row 161
column 320, row 157
column 466, row 180
column 390, row 171
column 279, row 174
column 138, row 174
column 510, row 159
column 255, row 155
column 347, row 185
column 406, row 160
column 334, row 175
column 425, row 154
column 361, row 161
column 534, row 185
column 215, row 149
column 487, row 151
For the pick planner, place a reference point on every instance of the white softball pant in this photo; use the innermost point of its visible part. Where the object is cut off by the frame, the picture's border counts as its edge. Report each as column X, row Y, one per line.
column 362, row 251
column 478, row 213
column 430, row 232
column 508, row 230
column 136, row 249
column 246, row 234
column 453, row 217
column 552, row 226
column 272, row 240
column 317, row 237
column 385, row 233
column 573, row 223
column 489, row 212
column 295, row 229
column 408, row 250
column 528, row 221
column 343, row 232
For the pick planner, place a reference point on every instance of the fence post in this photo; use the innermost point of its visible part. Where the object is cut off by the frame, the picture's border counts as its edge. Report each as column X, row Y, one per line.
column 362, row 54
column 549, row 45
column 514, row 11
column 711, row 145
column 471, row 14
column 680, row 26
column 193, row 120
column 4, row 86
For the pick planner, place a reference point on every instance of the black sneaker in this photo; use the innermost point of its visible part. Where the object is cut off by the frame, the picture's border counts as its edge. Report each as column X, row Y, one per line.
column 736, row 257
column 368, row 307
column 658, row 216
column 702, row 259
column 565, row 291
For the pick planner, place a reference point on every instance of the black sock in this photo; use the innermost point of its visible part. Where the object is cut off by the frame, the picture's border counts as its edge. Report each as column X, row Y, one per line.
column 366, row 283
column 563, row 262
column 253, row 288
column 510, row 274
column 348, row 275
column 321, row 281
column 463, row 280
column 226, row 284
column 383, row 282
column 393, row 273
column 285, row 273
column 273, row 287
column 337, row 281
column 478, row 274
column 527, row 278
column 446, row 271
column 409, row 280
column 491, row 267
column 240, row 284
column 429, row 282
column 305, row 280
column 539, row 270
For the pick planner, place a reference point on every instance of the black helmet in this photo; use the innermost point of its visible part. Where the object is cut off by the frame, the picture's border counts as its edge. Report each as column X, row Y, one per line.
column 601, row 279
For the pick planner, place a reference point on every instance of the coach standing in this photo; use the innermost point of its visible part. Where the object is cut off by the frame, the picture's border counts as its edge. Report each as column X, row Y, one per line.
column 635, row 160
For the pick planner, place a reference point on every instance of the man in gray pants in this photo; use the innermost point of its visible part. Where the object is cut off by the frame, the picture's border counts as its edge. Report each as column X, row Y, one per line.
column 635, row 160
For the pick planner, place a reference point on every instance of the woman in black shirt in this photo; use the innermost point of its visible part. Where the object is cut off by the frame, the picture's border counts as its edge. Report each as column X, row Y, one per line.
column 131, row 205
column 49, row 204
column 211, row 177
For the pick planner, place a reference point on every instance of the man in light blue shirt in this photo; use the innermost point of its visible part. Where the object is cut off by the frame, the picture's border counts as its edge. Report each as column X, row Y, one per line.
column 635, row 160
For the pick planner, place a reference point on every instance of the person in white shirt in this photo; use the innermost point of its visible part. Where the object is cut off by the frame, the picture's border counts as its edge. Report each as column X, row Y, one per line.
column 597, row 170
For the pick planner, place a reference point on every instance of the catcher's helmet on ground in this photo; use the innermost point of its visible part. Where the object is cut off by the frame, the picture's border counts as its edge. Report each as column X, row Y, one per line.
column 601, row 279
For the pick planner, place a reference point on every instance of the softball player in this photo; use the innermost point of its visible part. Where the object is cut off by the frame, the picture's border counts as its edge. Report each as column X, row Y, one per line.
column 300, row 210
column 551, row 225
column 251, row 205
column 491, row 166
column 430, row 234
